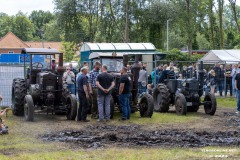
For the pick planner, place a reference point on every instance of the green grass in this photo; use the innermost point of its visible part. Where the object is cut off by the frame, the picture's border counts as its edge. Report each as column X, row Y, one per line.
column 228, row 102
column 133, row 154
column 22, row 144
column 157, row 118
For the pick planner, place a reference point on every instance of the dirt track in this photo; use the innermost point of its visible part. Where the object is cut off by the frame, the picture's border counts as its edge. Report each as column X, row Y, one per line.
column 223, row 129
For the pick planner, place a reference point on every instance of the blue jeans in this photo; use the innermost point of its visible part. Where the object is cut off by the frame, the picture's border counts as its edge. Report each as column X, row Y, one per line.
column 233, row 87
column 141, row 88
column 125, row 105
column 71, row 88
column 238, row 100
column 104, row 106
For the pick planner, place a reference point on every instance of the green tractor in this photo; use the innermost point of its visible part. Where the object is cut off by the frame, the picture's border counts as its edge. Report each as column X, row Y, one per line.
column 43, row 87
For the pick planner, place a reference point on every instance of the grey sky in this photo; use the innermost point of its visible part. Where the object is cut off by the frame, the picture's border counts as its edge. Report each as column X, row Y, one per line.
column 11, row 7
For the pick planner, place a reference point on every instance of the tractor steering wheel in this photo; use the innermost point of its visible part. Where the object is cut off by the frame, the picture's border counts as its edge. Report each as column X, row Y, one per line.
column 37, row 65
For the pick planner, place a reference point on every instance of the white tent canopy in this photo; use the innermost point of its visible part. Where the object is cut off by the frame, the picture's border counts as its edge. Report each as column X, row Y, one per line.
column 227, row 56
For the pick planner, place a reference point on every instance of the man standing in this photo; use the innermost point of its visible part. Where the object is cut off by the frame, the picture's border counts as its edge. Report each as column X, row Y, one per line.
column 124, row 94
column 237, row 87
column 83, row 95
column 228, row 79
column 217, row 70
column 93, row 88
column 69, row 77
column 142, row 81
column 105, row 84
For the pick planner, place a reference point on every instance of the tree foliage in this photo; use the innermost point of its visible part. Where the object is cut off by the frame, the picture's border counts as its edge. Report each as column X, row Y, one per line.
column 193, row 24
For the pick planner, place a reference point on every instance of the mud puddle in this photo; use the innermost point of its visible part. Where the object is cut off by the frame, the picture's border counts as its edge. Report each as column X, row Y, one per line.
column 133, row 135
column 232, row 119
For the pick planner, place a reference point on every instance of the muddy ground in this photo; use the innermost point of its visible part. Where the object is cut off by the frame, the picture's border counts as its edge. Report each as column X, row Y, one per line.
column 222, row 129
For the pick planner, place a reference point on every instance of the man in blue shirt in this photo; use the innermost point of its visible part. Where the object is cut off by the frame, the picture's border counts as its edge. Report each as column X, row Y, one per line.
column 83, row 94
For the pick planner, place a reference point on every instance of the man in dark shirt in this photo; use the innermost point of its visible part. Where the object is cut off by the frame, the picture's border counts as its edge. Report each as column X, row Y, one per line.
column 217, row 70
column 105, row 83
column 228, row 76
column 124, row 94
column 83, row 95
column 237, row 87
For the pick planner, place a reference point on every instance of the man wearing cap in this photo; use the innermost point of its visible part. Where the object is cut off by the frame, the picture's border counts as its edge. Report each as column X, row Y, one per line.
column 93, row 88
column 83, row 95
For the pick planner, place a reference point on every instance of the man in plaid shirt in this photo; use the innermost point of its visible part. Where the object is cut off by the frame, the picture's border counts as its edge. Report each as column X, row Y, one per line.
column 93, row 88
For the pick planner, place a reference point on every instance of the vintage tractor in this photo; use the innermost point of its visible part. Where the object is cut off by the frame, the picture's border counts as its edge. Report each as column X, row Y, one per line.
column 185, row 94
column 115, row 62
column 42, row 88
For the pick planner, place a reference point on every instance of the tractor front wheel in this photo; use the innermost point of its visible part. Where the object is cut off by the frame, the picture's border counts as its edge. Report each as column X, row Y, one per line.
column 180, row 104
column 71, row 107
column 210, row 104
column 28, row 108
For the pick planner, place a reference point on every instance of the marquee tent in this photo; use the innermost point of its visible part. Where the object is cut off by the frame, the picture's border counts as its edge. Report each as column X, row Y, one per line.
column 227, row 56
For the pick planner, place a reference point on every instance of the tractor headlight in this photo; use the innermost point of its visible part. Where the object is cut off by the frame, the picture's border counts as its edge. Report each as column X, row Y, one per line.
column 49, row 88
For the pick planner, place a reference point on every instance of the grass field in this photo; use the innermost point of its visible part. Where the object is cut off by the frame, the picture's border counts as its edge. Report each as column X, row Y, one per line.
column 22, row 144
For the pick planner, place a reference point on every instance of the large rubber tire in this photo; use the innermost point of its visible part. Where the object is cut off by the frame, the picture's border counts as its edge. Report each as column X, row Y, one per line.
column 161, row 98
column 71, row 107
column 19, row 91
column 146, row 105
column 111, row 107
column 28, row 108
column 210, row 104
column 180, row 104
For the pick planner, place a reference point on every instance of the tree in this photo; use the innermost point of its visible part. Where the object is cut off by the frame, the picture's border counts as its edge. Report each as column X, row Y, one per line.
column 233, row 6
column 69, row 50
column 220, row 16
column 40, row 19
column 23, row 28
column 69, row 20
column 52, row 31
column 6, row 24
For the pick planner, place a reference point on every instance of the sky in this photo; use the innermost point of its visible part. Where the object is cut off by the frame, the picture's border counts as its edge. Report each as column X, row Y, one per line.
column 11, row 7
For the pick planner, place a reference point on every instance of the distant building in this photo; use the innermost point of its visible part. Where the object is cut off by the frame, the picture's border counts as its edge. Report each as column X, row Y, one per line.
column 11, row 44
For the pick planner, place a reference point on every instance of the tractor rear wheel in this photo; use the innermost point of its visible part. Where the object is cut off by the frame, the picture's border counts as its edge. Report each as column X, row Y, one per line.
column 19, row 91
column 71, row 107
column 146, row 105
column 210, row 104
column 180, row 104
column 28, row 108
column 161, row 98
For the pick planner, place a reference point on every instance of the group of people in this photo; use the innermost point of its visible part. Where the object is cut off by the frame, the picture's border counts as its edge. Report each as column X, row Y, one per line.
column 161, row 73
column 219, row 78
column 97, row 85
column 228, row 78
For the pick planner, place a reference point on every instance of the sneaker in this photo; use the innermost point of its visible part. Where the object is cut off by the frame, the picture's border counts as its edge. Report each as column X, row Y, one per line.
column 122, row 119
column 100, row 120
column 94, row 116
column 86, row 120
